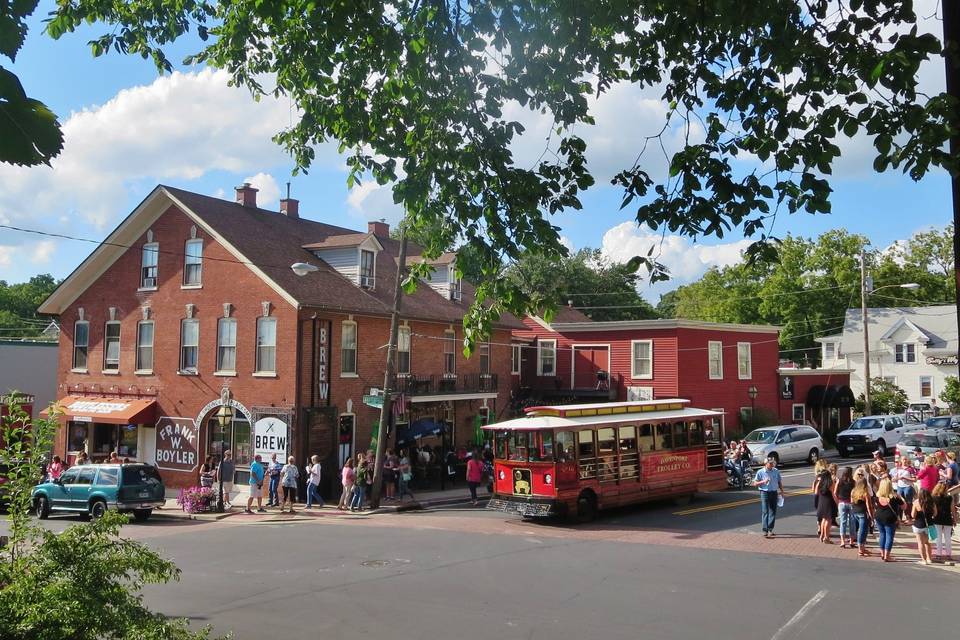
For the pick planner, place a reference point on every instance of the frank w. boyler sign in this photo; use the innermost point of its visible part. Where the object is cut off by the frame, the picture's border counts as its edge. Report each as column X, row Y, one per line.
column 177, row 442
column 269, row 437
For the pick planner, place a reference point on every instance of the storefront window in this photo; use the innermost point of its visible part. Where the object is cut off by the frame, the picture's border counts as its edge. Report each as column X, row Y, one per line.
column 104, row 439
column 77, row 436
column 235, row 437
column 128, row 441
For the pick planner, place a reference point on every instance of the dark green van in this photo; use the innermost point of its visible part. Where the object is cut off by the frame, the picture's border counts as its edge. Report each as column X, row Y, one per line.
column 94, row 488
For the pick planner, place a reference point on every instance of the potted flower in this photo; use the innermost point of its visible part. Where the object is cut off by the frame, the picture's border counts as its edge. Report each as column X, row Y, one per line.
column 196, row 499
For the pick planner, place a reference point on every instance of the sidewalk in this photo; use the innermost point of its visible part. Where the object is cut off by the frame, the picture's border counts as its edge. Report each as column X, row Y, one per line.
column 423, row 500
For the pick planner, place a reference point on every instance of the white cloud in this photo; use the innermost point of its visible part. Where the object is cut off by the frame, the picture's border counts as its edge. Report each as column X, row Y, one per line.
column 37, row 253
column 371, row 201
column 568, row 243
column 686, row 260
column 268, row 195
column 43, row 251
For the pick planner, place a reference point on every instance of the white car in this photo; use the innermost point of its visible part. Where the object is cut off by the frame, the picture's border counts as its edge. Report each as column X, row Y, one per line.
column 871, row 433
column 786, row 443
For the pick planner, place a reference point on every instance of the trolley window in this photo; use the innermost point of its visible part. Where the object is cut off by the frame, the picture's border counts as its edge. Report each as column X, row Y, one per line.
column 541, row 446
column 680, row 439
column 646, row 437
column 565, row 447
column 520, row 445
column 664, row 436
column 696, row 433
column 501, row 440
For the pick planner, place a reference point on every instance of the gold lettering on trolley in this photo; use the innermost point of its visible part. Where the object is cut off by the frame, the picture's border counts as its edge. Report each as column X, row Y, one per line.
column 673, row 463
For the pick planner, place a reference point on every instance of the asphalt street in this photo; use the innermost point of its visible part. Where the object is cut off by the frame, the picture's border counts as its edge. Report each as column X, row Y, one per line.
column 466, row 573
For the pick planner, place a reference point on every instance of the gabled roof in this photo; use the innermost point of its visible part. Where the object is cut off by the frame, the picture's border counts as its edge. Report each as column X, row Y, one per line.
column 346, row 240
column 444, row 258
column 938, row 323
column 268, row 243
column 904, row 322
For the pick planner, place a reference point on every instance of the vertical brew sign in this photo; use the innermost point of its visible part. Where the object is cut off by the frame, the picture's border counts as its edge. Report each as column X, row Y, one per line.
column 323, row 380
column 269, row 437
column 177, row 444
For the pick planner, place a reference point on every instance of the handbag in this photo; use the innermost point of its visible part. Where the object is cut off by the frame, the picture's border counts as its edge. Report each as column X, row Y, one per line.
column 407, row 476
column 932, row 532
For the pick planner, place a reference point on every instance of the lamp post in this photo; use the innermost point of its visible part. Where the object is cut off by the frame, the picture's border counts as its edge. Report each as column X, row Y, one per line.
column 753, row 392
column 224, row 417
column 866, row 288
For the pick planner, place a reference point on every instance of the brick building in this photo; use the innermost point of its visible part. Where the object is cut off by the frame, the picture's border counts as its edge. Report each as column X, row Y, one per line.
column 191, row 305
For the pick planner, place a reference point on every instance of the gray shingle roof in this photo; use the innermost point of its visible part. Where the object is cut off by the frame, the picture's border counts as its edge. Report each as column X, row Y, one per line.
column 937, row 323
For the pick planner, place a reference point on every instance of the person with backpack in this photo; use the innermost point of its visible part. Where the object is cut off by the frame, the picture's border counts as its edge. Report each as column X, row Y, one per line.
column 887, row 514
column 313, row 482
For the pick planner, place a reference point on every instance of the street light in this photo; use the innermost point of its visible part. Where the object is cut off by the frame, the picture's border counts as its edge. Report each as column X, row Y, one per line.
column 753, row 392
column 303, row 268
column 864, row 292
column 224, row 417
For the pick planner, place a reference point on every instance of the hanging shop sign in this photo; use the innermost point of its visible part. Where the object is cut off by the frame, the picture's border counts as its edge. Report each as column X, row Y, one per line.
column 323, row 378
column 270, row 437
column 177, row 443
column 786, row 387
column 941, row 361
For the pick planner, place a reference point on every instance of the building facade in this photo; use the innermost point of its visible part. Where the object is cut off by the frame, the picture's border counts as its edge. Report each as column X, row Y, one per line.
column 187, row 333
column 29, row 367
column 913, row 347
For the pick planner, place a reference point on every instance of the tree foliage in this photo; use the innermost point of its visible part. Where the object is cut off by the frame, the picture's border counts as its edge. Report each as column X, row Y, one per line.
column 601, row 288
column 84, row 583
column 417, row 90
column 951, row 393
column 885, row 397
column 19, row 303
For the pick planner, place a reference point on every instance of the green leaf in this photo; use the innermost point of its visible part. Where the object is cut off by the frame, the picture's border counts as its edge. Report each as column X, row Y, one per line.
column 29, row 132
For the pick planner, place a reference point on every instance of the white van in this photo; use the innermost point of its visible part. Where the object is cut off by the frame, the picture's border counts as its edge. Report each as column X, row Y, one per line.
column 871, row 433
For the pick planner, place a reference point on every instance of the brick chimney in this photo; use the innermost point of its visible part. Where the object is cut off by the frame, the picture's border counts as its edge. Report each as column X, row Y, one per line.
column 247, row 195
column 379, row 228
column 290, row 207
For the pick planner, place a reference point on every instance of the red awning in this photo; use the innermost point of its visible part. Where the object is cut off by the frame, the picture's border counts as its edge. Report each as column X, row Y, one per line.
column 109, row 410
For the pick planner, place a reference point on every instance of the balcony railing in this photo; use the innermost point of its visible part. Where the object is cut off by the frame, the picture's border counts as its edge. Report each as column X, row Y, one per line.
column 556, row 386
column 418, row 385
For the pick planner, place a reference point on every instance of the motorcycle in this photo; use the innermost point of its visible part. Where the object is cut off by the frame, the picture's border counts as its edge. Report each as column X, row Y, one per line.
column 739, row 474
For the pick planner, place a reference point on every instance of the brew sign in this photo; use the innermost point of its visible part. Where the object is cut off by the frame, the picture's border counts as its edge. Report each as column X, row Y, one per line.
column 177, row 440
column 269, row 437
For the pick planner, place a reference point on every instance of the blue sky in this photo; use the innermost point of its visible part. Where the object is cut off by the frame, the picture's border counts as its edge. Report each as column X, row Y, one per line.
column 128, row 129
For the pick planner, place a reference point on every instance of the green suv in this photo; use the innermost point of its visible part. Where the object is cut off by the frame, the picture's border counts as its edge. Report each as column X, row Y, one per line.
column 94, row 488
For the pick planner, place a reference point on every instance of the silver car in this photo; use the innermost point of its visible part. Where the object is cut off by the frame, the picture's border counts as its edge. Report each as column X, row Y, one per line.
column 786, row 443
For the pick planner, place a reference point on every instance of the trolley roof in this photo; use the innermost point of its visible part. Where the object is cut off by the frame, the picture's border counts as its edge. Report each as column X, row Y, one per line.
column 580, row 416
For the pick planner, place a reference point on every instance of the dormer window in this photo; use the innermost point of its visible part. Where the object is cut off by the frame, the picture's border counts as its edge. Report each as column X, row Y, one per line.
column 905, row 353
column 829, row 351
column 455, row 283
column 367, row 268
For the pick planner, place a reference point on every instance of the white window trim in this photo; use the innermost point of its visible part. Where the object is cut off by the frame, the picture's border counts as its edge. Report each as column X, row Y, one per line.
column 449, row 338
column 143, row 249
column 373, row 283
column 905, row 353
column 75, row 368
column 749, row 347
column 268, row 373
column 793, row 412
column 710, row 375
column 633, row 360
column 540, row 345
column 356, row 350
column 515, row 355
column 227, row 372
column 183, row 283
column 138, row 371
column 828, row 357
column 104, row 370
column 480, row 347
column 181, row 370
column 409, row 351
column 932, row 390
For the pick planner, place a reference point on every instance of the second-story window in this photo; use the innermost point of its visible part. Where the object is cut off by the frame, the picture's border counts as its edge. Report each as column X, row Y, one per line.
column 266, row 345
column 906, row 353
column 642, row 362
column 189, row 344
column 744, row 361
column 81, row 344
column 403, row 351
column 366, row 269
column 715, row 359
column 348, row 348
column 111, row 346
column 546, row 357
column 829, row 351
column 193, row 263
column 515, row 359
column 227, row 345
column 456, row 291
column 145, row 345
column 484, row 352
column 449, row 353
column 148, row 265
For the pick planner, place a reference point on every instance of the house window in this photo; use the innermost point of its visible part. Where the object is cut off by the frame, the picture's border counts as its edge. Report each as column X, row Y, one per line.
column 744, row 361
column 111, row 346
column 266, row 345
column 189, row 345
column 148, row 265
column 829, row 351
column 192, row 262
column 403, row 351
column 715, row 359
column 547, row 358
column 367, row 270
column 455, row 284
column 81, row 342
column 642, row 360
column 484, row 351
column 905, row 352
column 515, row 359
column 227, row 344
column 145, row 345
column 348, row 348
column 449, row 353
column 926, row 386
column 798, row 412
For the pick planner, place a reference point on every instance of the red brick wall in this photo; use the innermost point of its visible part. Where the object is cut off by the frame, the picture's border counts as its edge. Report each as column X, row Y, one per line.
column 801, row 388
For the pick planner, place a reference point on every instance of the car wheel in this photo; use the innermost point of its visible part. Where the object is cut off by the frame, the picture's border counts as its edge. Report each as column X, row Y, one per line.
column 98, row 509
column 142, row 515
column 882, row 448
column 43, row 507
column 844, row 454
column 586, row 508
column 814, row 456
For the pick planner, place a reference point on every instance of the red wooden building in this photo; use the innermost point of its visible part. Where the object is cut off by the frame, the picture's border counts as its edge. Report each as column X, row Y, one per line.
column 190, row 304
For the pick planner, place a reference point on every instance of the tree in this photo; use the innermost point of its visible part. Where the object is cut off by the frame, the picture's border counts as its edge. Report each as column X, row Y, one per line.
column 83, row 583
column 951, row 393
column 885, row 397
column 19, row 303
column 585, row 280
column 416, row 91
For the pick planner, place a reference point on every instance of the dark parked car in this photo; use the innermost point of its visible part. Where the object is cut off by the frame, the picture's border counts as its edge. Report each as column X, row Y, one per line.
column 94, row 488
column 943, row 422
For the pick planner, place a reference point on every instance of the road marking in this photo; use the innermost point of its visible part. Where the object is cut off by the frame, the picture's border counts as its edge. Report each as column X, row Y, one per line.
column 737, row 503
column 811, row 603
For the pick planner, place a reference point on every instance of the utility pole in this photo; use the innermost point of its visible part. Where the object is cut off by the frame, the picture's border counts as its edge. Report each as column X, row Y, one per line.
column 951, row 46
column 867, row 409
column 388, row 376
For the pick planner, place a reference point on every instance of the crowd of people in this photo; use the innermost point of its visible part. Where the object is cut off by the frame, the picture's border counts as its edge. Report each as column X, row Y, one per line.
column 919, row 492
